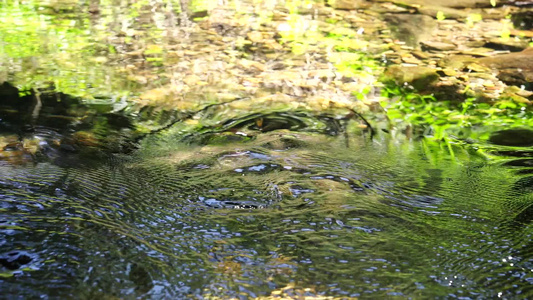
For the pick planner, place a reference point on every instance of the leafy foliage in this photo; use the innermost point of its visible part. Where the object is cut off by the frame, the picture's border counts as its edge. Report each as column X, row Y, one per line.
column 443, row 116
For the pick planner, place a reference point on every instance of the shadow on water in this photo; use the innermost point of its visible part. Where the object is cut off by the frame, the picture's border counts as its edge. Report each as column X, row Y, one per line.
column 518, row 157
column 43, row 125
column 260, row 204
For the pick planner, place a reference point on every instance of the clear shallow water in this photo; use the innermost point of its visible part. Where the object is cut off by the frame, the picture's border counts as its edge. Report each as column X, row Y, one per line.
column 235, row 202
column 240, row 211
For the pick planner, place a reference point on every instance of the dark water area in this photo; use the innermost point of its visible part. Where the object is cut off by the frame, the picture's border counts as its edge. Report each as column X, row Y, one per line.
column 262, row 205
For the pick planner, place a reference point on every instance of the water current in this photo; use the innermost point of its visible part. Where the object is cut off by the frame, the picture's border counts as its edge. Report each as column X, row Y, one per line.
column 233, row 202
column 270, row 204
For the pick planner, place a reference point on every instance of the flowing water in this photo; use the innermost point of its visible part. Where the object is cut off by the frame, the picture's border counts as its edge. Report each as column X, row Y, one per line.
column 310, row 206
column 251, row 201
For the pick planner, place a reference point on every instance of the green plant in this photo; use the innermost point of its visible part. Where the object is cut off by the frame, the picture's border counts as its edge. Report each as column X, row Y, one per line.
column 473, row 19
column 440, row 16
column 407, row 107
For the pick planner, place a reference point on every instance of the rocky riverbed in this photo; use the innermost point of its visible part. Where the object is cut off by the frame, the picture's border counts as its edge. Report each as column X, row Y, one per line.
column 453, row 49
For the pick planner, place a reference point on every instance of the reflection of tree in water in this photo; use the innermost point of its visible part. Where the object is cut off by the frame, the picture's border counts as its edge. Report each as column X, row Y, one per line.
column 46, row 125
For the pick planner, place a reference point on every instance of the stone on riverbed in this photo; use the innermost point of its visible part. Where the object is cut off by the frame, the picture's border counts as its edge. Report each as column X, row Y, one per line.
column 523, row 20
column 510, row 44
column 439, row 46
column 411, row 29
column 513, row 68
column 447, row 3
column 348, row 4
column 448, row 13
column 419, row 77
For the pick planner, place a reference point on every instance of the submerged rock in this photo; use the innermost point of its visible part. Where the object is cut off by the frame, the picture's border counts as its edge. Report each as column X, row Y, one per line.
column 517, row 137
column 348, row 4
column 456, row 62
column 512, row 45
column 448, row 13
column 141, row 278
column 513, row 68
column 15, row 260
column 450, row 3
column 419, row 77
column 410, row 28
column 523, row 19
column 439, row 46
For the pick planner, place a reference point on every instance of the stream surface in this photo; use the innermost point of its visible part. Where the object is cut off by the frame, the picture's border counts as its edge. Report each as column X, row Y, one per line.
column 218, row 198
column 310, row 206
